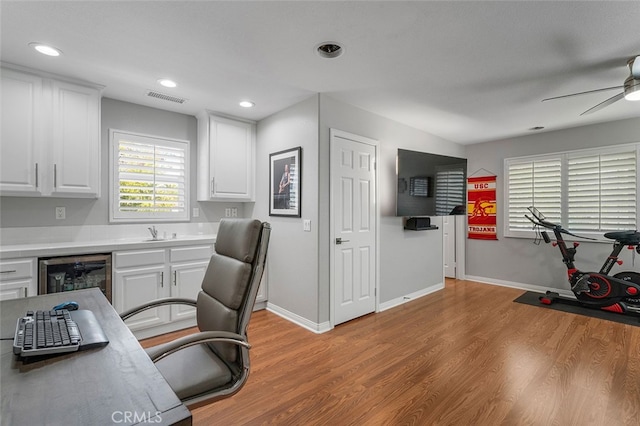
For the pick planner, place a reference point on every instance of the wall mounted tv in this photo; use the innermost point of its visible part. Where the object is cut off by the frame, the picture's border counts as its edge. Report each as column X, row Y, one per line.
column 430, row 184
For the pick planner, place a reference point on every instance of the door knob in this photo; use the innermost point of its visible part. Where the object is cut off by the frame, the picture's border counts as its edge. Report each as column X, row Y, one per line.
column 340, row 241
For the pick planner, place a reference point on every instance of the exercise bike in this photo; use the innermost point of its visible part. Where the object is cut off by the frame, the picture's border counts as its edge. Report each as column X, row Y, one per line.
column 618, row 293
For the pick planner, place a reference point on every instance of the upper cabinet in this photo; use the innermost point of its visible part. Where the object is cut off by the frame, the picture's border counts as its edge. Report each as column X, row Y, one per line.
column 226, row 159
column 50, row 140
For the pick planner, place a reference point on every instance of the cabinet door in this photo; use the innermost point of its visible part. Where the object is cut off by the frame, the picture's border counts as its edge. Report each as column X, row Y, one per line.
column 226, row 159
column 21, row 128
column 186, row 283
column 18, row 278
column 16, row 289
column 76, row 140
column 136, row 286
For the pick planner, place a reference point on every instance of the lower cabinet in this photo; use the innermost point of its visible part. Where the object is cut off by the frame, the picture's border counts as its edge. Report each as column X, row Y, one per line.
column 143, row 275
column 18, row 278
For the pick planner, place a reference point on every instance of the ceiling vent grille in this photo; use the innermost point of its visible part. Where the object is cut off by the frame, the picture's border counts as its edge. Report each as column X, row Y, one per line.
column 165, row 97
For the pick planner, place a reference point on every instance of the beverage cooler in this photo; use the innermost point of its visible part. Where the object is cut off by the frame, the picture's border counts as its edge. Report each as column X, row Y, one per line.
column 58, row 274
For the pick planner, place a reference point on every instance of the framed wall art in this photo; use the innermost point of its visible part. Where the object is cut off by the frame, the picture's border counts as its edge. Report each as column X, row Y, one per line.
column 285, row 171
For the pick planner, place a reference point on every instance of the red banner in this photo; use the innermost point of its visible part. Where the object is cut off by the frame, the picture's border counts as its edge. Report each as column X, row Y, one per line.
column 481, row 208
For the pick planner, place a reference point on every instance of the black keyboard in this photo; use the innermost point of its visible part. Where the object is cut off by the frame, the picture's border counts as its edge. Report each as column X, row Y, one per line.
column 46, row 332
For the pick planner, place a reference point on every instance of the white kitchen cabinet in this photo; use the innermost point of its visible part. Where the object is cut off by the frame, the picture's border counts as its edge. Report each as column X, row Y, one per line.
column 226, row 159
column 138, row 277
column 141, row 276
column 50, row 142
column 20, row 137
column 76, row 140
column 18, row 278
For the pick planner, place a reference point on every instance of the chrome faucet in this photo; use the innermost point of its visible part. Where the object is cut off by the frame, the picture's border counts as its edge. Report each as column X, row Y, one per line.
column 154, row 232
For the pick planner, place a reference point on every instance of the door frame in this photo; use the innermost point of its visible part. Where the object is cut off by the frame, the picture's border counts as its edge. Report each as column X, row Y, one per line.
column 333, row 134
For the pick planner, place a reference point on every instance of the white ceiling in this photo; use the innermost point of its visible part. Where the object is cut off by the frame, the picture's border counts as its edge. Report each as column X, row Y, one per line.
column 465, row 71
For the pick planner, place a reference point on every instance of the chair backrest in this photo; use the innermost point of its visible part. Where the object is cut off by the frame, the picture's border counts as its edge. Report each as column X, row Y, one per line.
column 231, row 282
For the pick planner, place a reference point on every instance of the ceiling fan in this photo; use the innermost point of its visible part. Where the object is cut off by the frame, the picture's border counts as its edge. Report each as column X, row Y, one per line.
column 630, row 88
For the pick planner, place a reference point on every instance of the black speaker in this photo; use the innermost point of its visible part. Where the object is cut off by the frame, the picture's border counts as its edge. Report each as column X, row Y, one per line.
column 417, row 223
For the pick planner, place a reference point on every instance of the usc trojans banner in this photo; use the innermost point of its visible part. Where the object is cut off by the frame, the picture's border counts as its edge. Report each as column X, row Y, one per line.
column 481, row 208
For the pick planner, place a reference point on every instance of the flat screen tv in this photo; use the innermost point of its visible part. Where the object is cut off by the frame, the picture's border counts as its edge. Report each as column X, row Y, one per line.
column 430, row 184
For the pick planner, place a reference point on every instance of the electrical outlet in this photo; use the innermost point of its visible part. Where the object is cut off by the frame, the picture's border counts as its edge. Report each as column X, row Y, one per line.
column 227, row 212
column 196, row 212
column 234, row 212
column 61, row 212
column 306, row 225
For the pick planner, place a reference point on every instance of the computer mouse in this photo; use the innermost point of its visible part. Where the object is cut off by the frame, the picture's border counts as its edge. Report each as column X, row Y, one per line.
column 69, row 306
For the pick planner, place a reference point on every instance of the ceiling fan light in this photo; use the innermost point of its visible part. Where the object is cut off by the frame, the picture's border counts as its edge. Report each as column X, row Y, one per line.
column 46, row 49
column 632, row 89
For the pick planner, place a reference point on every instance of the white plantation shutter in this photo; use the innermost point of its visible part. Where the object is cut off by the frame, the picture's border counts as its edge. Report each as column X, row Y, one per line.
column 592, row 190
column 149, row 178
column 450, row 190
column 602, row 191
column 533, row 182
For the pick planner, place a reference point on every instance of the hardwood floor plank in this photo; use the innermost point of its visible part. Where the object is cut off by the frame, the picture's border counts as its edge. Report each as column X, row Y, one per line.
column 464, row 355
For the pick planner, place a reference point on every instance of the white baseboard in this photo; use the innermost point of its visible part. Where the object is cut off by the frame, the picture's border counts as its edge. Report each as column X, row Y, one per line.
column 409, row 297
column 298, row 320
column 520, row 286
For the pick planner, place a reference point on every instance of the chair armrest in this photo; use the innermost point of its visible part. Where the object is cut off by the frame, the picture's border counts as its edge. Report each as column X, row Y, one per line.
column 155, row 303
column 161, row 351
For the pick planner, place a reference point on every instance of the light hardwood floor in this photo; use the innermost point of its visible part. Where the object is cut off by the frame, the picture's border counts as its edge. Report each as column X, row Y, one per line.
column 466, row 355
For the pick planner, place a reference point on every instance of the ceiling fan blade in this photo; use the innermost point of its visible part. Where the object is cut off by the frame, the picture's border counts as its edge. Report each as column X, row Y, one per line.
column 606, row 103
column 583, row 93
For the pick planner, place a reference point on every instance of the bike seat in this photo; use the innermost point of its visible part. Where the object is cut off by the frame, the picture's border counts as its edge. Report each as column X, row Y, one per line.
column 625, row 237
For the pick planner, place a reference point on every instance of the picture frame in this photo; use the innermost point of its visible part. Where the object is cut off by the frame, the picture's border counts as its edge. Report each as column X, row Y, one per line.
column 285, row 183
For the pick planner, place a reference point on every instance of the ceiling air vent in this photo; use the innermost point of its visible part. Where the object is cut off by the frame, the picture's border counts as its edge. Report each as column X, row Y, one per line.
column 165, row 97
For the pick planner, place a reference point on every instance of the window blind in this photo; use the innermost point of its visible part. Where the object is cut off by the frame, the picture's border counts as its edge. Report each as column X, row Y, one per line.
column 150, row 178
column 534, row 183
column 592, row 190
column 602, row 191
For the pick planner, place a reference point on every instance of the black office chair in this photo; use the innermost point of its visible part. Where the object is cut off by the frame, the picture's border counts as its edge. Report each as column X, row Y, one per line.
column 214, row 363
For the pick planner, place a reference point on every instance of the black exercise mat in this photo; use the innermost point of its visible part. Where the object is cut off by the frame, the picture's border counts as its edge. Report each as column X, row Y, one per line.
column 531, row 298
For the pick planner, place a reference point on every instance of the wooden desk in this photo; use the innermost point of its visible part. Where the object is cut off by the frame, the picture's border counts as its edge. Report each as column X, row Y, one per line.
column 115, row 384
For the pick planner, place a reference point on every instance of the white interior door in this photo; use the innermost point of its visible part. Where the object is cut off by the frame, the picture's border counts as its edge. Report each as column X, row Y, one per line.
column 354, row 226
column 449, row 245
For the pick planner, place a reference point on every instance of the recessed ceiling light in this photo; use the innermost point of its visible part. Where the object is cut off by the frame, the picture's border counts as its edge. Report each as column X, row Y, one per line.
column 329, row 49
column 247, row 104
column 167, row 83
column 46, row 49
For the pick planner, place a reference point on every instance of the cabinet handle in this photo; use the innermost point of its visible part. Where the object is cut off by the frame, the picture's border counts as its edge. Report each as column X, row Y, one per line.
column 36, row 175
column 161, row 279
column 175, row 278
column 25, row 292
column 8, row 272
column 55, row 175
column 212, row 187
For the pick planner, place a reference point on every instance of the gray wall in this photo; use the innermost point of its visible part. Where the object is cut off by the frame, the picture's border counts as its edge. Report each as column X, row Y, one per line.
column 517, row 261
column 293, row 253
column 30, row 211
column 410, row 261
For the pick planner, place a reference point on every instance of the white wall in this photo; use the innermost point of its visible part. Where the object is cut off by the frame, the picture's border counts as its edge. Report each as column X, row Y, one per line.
column 517, row 261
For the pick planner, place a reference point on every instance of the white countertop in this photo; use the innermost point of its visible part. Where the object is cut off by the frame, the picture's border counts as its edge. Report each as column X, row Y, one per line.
column 70, row 248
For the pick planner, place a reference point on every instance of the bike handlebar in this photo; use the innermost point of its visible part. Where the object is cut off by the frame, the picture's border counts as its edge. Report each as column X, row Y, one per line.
column 540, row 220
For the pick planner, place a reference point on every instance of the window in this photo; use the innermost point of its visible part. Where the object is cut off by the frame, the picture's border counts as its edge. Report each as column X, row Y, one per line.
column 149, row 178
column 592, row 190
